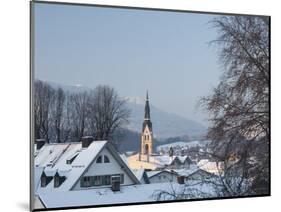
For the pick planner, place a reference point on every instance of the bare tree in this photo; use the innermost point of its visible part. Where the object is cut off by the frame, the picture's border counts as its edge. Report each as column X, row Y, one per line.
column 78, row 114
column 192, row 189
column 108, row 112
column 58, row 114
column 239, row 106
column 43, row 100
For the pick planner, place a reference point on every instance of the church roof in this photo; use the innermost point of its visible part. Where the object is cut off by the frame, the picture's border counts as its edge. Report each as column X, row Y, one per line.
column 147, row 123
column 147, row 108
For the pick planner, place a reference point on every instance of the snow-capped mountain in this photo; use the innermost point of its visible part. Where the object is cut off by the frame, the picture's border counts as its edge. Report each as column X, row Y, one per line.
column 165, row 124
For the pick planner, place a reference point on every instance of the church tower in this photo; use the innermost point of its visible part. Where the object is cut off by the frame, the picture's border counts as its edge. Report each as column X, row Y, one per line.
column 146, row 135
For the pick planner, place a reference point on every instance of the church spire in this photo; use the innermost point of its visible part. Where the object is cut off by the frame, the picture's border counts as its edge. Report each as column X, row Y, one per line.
column 147, row 135
column 147, row 108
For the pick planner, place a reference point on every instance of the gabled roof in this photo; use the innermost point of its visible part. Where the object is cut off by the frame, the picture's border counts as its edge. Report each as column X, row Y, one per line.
column 155, row 173
column 52, row 157
column 147, row 123
column 168, row 160
column 82, row 162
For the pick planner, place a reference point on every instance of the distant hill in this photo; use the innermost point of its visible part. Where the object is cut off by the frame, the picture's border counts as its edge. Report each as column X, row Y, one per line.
column 165, row 124
column 128, row 141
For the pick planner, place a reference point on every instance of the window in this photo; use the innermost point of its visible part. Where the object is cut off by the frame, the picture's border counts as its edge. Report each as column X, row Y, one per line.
column 71, row 159
column 99, row 160
column 97, row 180
column 106, row 180
column 86, row 181
column 106, row 159
column 100, row 180
column 121, row 178
column 56, row 181
column 43, row 181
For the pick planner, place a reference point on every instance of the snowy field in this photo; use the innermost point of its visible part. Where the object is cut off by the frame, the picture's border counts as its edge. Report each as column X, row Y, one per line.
column 183, row 144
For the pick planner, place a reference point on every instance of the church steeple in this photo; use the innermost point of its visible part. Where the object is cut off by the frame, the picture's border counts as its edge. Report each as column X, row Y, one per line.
column 147, row 134
column 147, row 109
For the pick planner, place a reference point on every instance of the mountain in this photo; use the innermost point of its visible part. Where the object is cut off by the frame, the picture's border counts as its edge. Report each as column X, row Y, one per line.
column 165, row 124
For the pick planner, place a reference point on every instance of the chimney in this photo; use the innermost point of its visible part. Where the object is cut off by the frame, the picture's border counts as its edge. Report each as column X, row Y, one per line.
column 40, row 143
column 115, row 183
column 180, row 179
column 86, row 141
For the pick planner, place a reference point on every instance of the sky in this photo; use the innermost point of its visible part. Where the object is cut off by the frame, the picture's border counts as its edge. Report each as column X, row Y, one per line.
column 166, row 53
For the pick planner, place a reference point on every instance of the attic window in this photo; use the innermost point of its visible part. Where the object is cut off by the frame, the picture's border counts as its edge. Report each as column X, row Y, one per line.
column 106, row 159
column 45, row 180
column 71, row 159
column 99, row 160
column 58, row 180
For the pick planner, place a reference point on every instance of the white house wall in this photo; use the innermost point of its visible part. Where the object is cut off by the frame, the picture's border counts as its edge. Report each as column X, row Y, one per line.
column 111, row 168
column 163, row 178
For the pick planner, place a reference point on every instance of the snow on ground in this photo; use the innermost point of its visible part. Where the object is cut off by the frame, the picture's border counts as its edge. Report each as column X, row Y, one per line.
column 212, row 167
column 183, row 144
column 127, row 194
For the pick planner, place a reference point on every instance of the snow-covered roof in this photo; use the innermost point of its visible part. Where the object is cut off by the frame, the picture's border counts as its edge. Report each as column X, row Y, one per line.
column 37, row 174
column 167, row 160
column 209, row 166
column 127, row 194
column 155, row 161
column 183, row 144
column 52, row 159
column 186, row 172
column 124, row 158
column 54, row 156
column 138, row 173
column 154, row 173
column 83, row 160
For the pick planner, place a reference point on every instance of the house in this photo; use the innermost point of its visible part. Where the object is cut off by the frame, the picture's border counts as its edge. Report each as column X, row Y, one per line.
column 210, row 166
column 142, row 176
column 179, row 162
column 157, row 162
column 162, row 176
column 201, row 175
column 80, row 166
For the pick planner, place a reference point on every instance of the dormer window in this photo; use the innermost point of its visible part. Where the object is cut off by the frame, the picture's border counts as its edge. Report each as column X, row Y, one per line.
column 71, row 159
column 58, row 180
column 45, row 180
column 106, row 159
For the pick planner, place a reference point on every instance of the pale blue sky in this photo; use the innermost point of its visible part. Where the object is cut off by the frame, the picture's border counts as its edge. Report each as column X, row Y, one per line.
column 166, row 53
